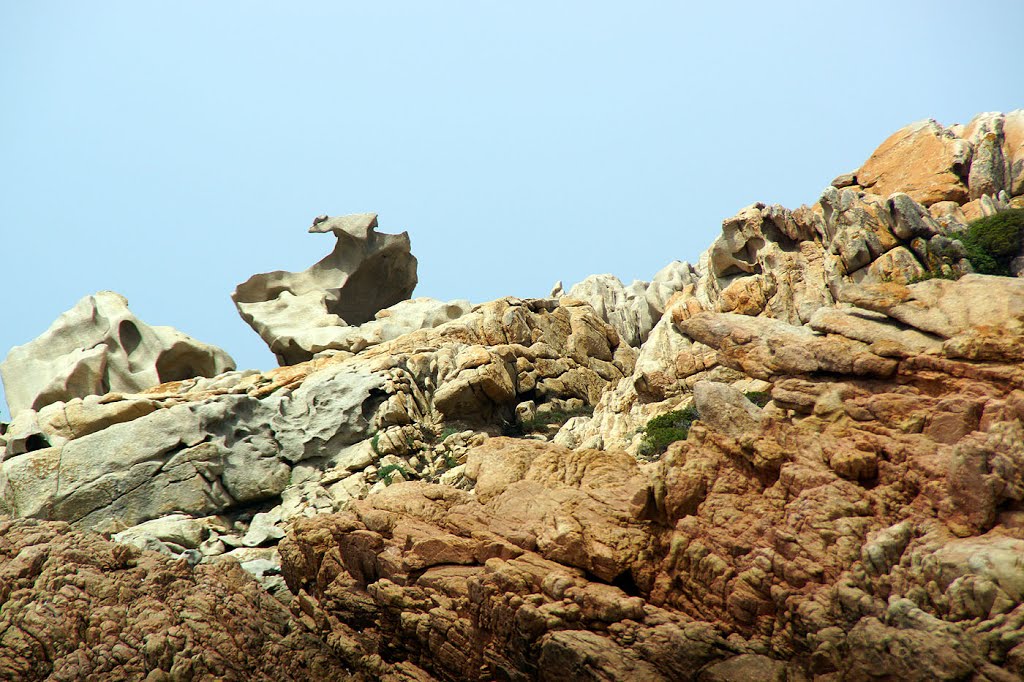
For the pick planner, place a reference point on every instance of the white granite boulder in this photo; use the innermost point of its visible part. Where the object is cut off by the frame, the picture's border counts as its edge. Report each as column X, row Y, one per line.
column 99, row 347
column 299, row 314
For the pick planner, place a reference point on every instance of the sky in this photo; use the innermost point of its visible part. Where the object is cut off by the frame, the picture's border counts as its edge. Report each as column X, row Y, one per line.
column 169, row 151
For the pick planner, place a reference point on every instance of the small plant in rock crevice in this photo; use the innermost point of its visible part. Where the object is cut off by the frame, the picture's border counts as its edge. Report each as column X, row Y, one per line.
column 388, row 470
column 665, row 429
column 759, row 398
column 554, row 418
column 994, row 241
column 446, row 432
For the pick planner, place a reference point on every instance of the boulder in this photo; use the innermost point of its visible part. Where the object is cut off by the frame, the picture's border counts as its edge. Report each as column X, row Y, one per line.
column 725, row 409
column 924, row 160
column 947, row 308
column 624, row 308
column 97, row 347
column 299, row 314
column 762, row 347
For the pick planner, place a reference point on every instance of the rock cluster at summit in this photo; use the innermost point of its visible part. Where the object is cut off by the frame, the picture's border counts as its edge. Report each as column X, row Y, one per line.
column 438, row 490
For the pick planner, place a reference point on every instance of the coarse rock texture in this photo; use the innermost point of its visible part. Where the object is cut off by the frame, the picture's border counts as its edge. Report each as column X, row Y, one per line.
column 299, row 314
column 898, row 225
column 445, row 491
column 307, row 438
column 97, row 347
column 76, row 607
column 868, row 523
column 631, row 310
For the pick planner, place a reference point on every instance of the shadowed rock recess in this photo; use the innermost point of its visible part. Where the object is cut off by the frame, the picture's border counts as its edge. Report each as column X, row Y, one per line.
column 447, row 491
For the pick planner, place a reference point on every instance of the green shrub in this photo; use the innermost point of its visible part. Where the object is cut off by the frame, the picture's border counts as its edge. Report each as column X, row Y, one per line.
column 554, row 418
column 448, row 431
column 386, row 471
column 759, row 398
column 933, row 274
column 665, row 429
column 992, row 242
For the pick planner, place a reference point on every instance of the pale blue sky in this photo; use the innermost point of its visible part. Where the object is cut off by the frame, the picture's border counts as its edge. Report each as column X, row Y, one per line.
column 168, row 151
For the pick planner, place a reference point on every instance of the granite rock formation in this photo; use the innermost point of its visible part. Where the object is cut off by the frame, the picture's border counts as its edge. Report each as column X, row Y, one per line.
column 450, row 492
column 772, row 262
column 300, row 314
column 308, row 437
column 76, row 607
column 99, row 346
column 868, row 522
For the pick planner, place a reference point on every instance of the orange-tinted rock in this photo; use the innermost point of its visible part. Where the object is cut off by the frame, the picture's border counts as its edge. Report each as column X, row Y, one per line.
column 923, row 160
column 74, row 607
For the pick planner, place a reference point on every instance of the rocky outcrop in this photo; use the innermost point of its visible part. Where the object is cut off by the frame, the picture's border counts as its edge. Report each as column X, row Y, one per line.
column 75, row 607
column 299, row 314
column 793, row 265
column 866, row 523
column 631, row 310
column 97, row 347
column 846, row 502
column 262, row 449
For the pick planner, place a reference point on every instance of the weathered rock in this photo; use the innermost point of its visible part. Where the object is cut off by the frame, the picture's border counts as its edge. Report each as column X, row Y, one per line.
column 924, row 160
column 946, row 308
column 172, row 534
column 503, row 567
column 76, row 607
column 185, row 458
column 313, row 434
column 817, row 540
column 97, row 347
column 299, row 314
column 725, row 409
column 762, row 347
column 884, row 335
column 867, row 522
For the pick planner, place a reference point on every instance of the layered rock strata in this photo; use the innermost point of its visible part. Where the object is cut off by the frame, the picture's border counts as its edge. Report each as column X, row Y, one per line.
column 917, row 193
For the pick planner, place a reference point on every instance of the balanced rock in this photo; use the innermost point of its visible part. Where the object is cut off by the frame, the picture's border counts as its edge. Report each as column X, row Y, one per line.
column 299, row 314
column 97, row 347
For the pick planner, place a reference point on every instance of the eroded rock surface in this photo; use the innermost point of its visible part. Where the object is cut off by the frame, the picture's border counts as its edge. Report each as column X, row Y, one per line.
column 868, row 522
column 299, row 314
column 495, row 516
column 307, row 438
column 75, row 607
column 97, row 347
column 898, row 225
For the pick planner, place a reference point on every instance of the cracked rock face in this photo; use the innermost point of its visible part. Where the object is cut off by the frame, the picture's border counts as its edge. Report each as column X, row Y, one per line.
column 433, row 498
column 299, row 314
column 309, row 437
column 76, row 607
column 98, row 347
column 867, row 523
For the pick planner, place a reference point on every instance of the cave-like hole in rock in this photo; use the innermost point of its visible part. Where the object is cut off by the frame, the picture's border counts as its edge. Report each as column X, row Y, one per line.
column 129, row 336
column 380, row 282
column 36, row 441
column 624, row 581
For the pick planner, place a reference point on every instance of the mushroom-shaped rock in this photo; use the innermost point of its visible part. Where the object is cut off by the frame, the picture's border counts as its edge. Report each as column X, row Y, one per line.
column 299, row 314
column 97, row 347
